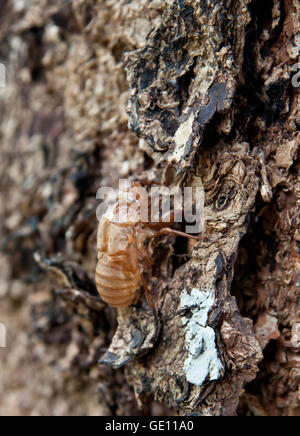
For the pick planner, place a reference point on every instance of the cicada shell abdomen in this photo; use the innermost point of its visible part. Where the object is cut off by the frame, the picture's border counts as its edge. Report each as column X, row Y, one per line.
column 117, row 272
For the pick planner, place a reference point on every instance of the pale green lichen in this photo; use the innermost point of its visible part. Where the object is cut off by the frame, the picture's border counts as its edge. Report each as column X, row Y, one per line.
column 203, row 362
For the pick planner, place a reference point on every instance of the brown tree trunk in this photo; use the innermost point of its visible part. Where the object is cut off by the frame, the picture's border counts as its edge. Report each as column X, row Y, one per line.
column 213, row 91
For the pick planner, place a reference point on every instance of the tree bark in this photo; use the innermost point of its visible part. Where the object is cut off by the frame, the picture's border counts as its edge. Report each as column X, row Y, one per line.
column 211, row 92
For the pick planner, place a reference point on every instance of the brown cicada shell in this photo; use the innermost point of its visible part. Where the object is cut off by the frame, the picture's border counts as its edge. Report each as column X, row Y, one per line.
column 121, row 248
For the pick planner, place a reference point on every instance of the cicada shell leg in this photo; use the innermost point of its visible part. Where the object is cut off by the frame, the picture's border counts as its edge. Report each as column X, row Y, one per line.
column 168, row 231
column 147, row 292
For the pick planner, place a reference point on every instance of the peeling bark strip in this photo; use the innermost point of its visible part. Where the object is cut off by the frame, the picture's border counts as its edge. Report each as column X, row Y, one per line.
column 179, row 82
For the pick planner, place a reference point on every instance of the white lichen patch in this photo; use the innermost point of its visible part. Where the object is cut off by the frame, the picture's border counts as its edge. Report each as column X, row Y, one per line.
column 181, row 138
column 203, row 362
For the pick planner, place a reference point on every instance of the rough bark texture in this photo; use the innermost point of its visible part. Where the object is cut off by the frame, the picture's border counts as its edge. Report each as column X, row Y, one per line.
column 212, row 104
